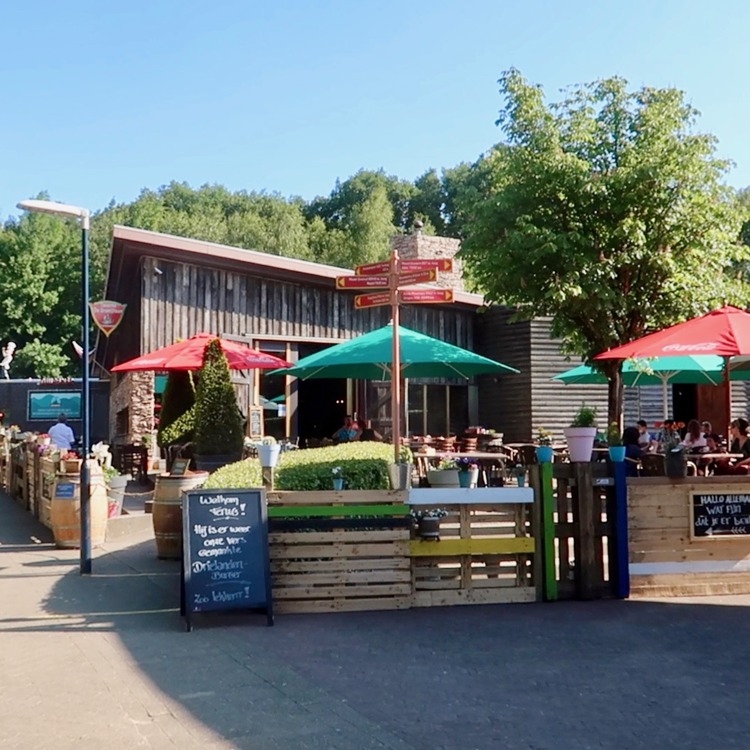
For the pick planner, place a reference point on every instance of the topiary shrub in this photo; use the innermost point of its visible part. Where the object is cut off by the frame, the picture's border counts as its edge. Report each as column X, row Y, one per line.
column 178, row 399
column 218, row 422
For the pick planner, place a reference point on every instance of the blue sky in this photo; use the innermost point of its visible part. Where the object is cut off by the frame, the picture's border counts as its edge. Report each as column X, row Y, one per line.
column 103, row 99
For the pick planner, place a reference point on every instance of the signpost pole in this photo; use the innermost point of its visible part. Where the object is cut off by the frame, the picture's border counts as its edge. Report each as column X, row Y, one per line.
column 396, row 367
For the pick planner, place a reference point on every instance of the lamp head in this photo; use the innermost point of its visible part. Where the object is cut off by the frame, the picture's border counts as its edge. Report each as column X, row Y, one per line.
column 56, row 209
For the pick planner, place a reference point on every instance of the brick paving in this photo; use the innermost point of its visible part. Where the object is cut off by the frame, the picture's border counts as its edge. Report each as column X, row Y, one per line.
column 104, row 662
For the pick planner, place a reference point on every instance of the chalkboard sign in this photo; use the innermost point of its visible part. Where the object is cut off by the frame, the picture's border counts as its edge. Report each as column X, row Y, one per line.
column 721, row 514
column 225, row 552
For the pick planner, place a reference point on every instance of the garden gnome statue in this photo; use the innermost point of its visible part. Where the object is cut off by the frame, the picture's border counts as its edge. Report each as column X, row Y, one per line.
column 8, row 350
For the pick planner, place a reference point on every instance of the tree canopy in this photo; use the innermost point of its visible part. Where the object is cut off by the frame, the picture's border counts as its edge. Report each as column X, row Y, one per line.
column 604, row 211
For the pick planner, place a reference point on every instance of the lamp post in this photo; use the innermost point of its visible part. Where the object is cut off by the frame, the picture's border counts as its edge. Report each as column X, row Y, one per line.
column 82, row 214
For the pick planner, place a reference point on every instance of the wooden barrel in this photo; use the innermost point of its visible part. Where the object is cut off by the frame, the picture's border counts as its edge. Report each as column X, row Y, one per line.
column 167, row 511
column 65, row 508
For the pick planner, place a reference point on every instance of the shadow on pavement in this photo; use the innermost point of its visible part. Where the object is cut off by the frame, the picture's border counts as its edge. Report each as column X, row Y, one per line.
column 607, row 675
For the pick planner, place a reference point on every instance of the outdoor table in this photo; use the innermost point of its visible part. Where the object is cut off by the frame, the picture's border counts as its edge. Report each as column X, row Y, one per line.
column 485, row 459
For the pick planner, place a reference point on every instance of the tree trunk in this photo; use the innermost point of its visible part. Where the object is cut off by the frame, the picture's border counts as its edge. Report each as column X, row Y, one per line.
column 613, row 370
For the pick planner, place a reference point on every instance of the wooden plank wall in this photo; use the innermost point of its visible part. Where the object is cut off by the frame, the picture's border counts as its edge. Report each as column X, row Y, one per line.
column 505, row 400
column 664, row 560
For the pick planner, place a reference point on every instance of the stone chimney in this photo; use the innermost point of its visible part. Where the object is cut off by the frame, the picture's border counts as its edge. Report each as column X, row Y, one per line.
column 424, row 247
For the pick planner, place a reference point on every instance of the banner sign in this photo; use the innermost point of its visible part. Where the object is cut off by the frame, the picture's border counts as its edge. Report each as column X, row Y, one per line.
column 362, row 282
column 107, row 315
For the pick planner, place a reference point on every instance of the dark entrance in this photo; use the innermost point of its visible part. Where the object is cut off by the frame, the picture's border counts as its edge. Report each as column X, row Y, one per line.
column 684, row 403
column 321, row 403
column 322, row 408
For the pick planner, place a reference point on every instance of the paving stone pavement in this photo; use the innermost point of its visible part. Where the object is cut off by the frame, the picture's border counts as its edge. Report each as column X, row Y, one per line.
column 104, row 662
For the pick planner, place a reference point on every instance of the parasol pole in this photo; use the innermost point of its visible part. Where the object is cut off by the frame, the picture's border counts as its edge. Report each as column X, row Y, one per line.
column 396, row 365
column 728, row 385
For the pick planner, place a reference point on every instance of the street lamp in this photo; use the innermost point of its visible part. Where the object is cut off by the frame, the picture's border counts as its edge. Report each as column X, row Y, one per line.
column 82, row 214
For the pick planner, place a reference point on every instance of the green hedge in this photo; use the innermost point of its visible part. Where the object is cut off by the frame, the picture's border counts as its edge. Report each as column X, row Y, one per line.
column 364, row 467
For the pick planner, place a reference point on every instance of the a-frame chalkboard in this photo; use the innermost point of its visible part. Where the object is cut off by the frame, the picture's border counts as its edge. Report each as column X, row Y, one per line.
column 225, row 552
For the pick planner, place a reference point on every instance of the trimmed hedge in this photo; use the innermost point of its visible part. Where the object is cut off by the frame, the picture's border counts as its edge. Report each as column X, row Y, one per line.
column 364, row 467
column 245, row 473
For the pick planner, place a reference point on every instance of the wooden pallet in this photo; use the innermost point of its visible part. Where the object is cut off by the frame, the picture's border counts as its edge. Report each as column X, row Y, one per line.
column 339, row 551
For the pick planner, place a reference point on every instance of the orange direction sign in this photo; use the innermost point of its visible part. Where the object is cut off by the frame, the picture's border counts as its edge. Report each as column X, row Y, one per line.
column 434, row 296
column 376, row 299
column 417, row 277
column 362, row 282
column 420, row 264
column 371, row 269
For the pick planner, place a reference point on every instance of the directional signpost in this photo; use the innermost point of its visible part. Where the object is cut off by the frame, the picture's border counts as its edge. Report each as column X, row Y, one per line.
column 390, row 276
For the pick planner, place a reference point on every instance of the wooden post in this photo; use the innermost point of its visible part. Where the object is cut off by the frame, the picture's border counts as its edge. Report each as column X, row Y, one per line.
column 586, row 566
column 545, row 533
column 396, row 364
column 619, row 556
column 267, row 478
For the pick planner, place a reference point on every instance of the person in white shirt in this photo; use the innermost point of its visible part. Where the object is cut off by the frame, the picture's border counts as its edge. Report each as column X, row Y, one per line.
column 644, row 438
column 695, row 440
column 61, row 435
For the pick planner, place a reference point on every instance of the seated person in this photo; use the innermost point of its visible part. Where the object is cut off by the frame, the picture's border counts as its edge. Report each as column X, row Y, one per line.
column 633, row 450
column 348, row 432
column 370, row 434
column 740, row 444
column 694, row 440
column 644, row 437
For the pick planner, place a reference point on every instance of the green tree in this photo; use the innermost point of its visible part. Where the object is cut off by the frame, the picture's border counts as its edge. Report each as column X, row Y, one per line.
column 40, row 287
column 604, row 211
column 218, row 422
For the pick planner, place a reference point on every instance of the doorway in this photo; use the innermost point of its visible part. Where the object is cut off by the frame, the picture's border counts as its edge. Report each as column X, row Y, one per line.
column 684, row 402
column 322, row 408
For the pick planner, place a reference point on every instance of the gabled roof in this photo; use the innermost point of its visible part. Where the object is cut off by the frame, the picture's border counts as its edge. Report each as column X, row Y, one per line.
column 129, row 245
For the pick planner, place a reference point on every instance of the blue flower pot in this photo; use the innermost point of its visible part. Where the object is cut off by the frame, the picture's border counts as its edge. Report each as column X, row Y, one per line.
column 544, row 454
column 468, row 478
column 617, row 453
column 338, row 483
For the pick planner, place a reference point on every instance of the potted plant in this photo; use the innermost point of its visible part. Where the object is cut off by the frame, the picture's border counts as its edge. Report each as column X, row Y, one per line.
column 468, row 471
column 519, row 471
column 338, row 478
column 614, row 441
column 218, row 421
column 581, row 434
column 399, row 474
column 268, row 452
column 428, row 522
column 445, row 475
column 544, row 451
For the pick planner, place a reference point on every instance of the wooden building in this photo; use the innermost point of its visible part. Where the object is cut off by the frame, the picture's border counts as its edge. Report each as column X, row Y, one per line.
column 176, row 287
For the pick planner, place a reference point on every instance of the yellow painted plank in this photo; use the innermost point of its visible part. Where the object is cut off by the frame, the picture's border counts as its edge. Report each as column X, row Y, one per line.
column 450, row 547
column 315, row 566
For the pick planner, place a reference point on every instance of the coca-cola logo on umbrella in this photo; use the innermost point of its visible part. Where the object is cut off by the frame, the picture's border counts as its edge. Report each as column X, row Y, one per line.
column 107, row 315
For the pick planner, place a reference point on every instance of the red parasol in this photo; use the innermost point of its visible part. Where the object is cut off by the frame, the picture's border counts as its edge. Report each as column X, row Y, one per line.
column 725, row 332
column 188, row 355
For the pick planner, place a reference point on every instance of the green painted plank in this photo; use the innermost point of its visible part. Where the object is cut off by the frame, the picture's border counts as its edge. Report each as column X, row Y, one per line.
column 327, row 511
column 548, row 533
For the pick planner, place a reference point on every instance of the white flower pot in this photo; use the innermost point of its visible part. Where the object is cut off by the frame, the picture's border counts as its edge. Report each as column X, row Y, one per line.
column 269, row 455
column 580, row 443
